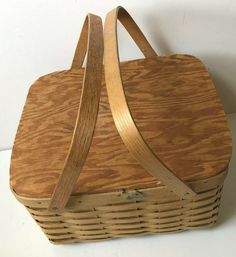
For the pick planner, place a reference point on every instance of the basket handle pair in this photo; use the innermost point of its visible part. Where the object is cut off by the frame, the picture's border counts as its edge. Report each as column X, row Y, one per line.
column 91, row 40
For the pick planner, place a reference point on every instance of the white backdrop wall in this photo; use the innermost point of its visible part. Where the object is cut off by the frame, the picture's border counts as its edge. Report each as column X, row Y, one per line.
column 38, row 37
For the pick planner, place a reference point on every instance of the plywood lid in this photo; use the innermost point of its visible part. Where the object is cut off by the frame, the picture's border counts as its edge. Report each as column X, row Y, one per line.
column 173, row 103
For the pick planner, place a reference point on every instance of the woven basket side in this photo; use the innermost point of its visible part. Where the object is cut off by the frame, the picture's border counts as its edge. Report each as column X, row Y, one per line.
column 133, row 218
column 95, row 217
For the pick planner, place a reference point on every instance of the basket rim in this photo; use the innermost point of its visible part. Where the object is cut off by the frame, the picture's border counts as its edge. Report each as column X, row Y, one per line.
column 162, row 192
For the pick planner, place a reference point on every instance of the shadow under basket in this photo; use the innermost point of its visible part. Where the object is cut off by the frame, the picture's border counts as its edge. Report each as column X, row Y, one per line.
column 93, row 179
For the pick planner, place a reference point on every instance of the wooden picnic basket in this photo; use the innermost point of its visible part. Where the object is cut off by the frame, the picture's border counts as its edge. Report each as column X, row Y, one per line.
column 150, row 157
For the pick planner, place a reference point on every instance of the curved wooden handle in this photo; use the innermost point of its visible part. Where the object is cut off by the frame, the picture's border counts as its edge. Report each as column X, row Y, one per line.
column 91, row 41
column 124, row 122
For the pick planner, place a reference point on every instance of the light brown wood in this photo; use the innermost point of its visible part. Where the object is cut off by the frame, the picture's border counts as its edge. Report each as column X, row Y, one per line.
column 89, row 217
column 177, row 111
column 188, row 131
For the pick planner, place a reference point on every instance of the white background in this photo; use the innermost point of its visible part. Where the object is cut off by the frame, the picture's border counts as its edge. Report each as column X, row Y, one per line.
column 39, row 36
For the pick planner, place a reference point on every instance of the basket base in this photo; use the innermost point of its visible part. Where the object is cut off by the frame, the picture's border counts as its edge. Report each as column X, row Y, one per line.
column 133, row 218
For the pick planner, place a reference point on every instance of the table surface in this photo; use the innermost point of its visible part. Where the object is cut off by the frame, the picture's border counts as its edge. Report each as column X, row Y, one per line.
column 20, row 236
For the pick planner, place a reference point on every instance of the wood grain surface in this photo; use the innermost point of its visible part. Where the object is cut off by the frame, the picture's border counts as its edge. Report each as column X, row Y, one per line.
column 174, row 104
